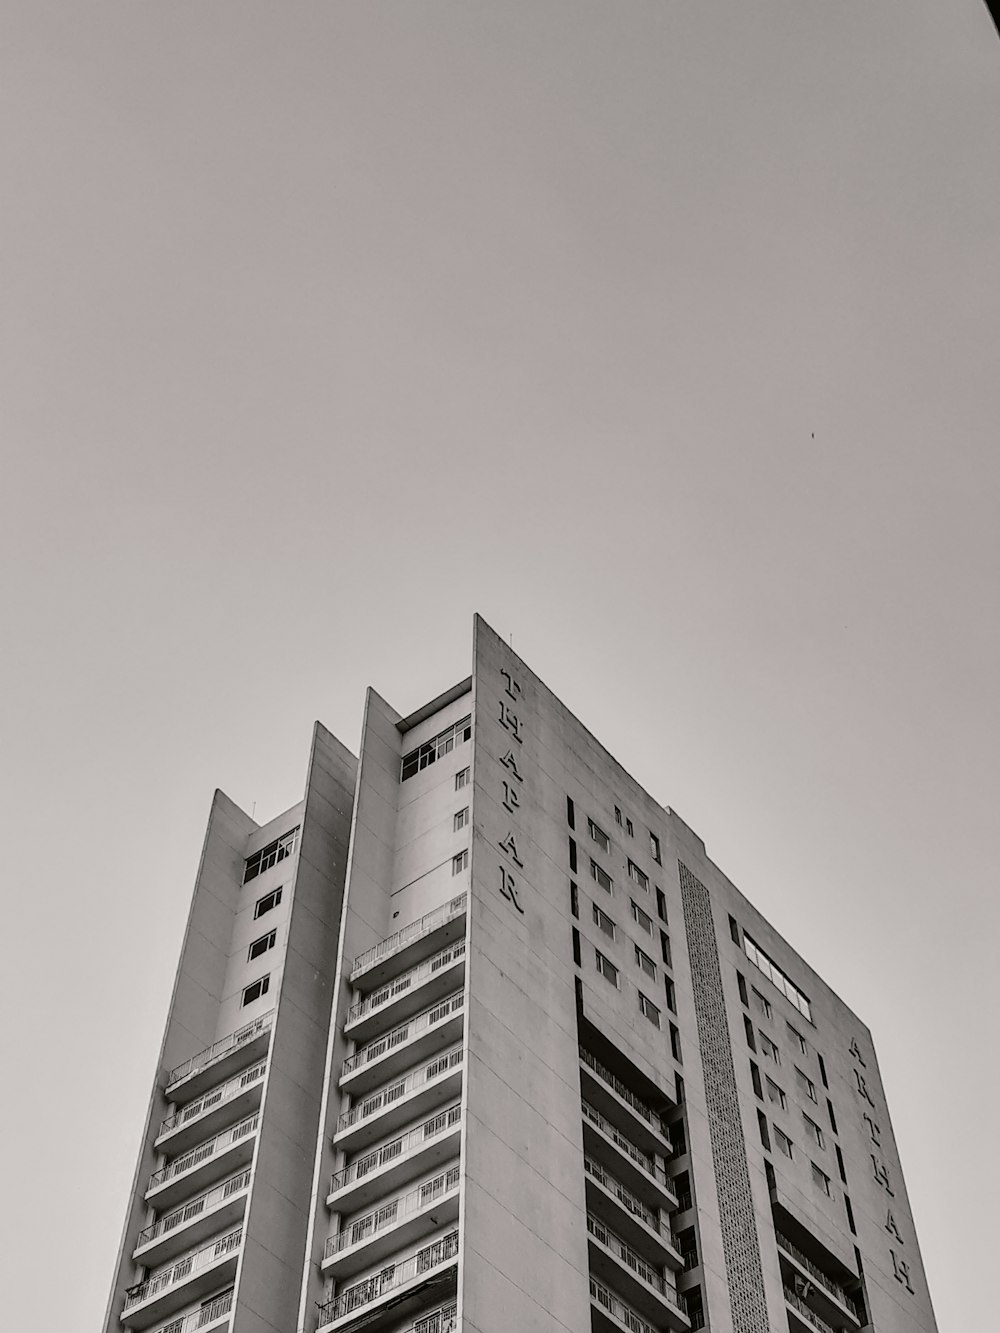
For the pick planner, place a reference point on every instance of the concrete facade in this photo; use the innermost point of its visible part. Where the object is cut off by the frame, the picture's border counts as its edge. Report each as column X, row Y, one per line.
column 526, row 1060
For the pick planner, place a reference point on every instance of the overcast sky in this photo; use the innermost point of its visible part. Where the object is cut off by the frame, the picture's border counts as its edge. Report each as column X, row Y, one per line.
column 666, row 335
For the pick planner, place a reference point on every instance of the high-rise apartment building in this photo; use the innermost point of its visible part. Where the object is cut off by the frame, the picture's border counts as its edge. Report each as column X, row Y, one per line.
column 477, row 1037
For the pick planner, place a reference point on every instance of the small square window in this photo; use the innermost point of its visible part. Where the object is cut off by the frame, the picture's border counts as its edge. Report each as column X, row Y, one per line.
column 599, row 836
column 649, row 1009
column 641, row 918
column 262, row 945
column 654, row 848
column 645, row 962
column 784, row 1142
column 601, row 876
column 776, row 1094
column 461, row 779
column 820, row 1179
column 603, row 921
column 268, row 901
column 607, row 968
column 256, row 989
column 806, row 1084
column 461, row 818
column 460, row 862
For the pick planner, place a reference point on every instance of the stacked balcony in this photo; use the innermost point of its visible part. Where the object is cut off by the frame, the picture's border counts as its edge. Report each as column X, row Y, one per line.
column 815, row 1300
column 382, row 1298
column 184, row 1280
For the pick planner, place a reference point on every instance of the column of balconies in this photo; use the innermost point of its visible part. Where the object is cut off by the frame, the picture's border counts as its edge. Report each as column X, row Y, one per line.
column 397, row 1222
column 185, row 1279
column 819, row 1298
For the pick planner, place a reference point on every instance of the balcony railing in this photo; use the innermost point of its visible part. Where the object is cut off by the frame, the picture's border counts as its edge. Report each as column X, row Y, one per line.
column 222, row 1047
column 389, row 1279
column 430, row 921
column 643, row 1159
column 205, row 1150
column 624, row 1092
column 183, row 1268
column 628, row 1200
column 822, row 1278
column 189, row 1323
column 386, row 1096
column 412, row 1028
column 389, row 1152
column 390, row 1213
column 216, row 1097
column 407, row 981
column 625, row 1252
column 617, row 1307
column 170, row 1221
column 810, row 1316
column 444, row 1320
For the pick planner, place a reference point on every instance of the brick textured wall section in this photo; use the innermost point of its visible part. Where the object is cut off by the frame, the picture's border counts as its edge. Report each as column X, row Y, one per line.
column 739, row 1226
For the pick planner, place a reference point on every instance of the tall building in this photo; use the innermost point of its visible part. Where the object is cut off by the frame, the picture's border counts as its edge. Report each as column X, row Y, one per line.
column 476, row 1037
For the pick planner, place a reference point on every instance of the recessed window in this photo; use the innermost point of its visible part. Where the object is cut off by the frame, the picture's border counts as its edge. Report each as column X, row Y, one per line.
column 603, row 921
column 461, row 818
column 748, row 1033
column 268, row 901
column 460, row 862
column 601, row 876
column 775, row 1094
column 572, row 855
column 574, row 899
column 814, row 1132
column 607, row 968
column 668, row 987
column 661, row 906
column 628, row 827
column 641, row 919
column 649, row 1009
column 570, row 812
column 576, row 946
column 769, row 1048
column 645, row 962
column 270, row 855
column 820, row 1179
column 805, row 1084
column 741, row 982
column 618, row 817
column 461, row 779
column 639, row 876
column 436, row 748
column 262, row 945
column 762, row 1002
column 256, row 989
column 665, row 948
column 775, row 975
column 797, row 1037
column 783, row 1142
column 675, row 1043
column 654, row 848
column 762, row 1128
column 599, row 836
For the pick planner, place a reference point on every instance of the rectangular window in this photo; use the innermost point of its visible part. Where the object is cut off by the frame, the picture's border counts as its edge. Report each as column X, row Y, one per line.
column 668, row 987
column 661, row 906
column 601, row 876
column 618, row 817
column 599, row 836
column 820, row 1179
column 649, row 1009
column 775, row 975
column 814, row 1132
column 783, row 1142
column 268, row 901
column 461, row 819
column 776, row 1094
column 748, row 1033
column 665, row 948
column 436, row 748
column 769, row 1048
column 645, row 962
column 461, row 779
column 805, row 1084
column 574, row 899
column 576, row 946
column 675, row 1044
column 833, row 1118
column 641, row 919
column 572, row 855
column 762, row 1127
column 762, row 1002
column 607, row 968
column 570, row 812
column 797, row 1037
column 755, row 1080
column 603, row 921
column 639, row 876
column 262, row 945
column 271, row 854
column 460, row 862
column 741, row 982
column 654, row 848
column 840, row 1162
column 628, row 827
column 256, row 989
column 822, row 1069
column 734, row 930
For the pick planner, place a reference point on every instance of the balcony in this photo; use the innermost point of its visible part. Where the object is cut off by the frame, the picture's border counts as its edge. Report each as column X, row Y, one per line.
column 404, row 1045
column 226, row 1101
column 612, row 1314
column 638, row 1170
column 830, row 1298
column 421, row 986
column 391, row 1107
column 802, row 1317
column 396, row 1163
column 383, row 1298
column 393, row 1225
column 208, row 1316
column 195, row 1220
column 637, row 1224
column 204, row 1165
column 217, row 1062
column 411, row 945
column 442, row 1320
column 615, row 1100
column 190, row 1278
column 614, row 1262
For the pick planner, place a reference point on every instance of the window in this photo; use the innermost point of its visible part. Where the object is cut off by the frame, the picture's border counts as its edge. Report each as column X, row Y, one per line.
column 271, row 854
column 741, row 982
column 601, row 876
column 262, row 945
column 755, row 1080
column 645, row 962
column 762, row 1127
column 607, row 968
column 820, row 1179
column 268, row 901
column 748, row 1033
column 675, row 1044
column 850, row 1215
column 570, row 812
column 654, row 848
column 840, row 1162
column 576, row 947
column 762, row 1002
column 822, row 1069
column 734, row 930
column 436, row 748
column 640, row 918
column 776, row 1094
column 783, row 1142
column 572, row 855
column 460, row 862
column 833, row 1118
column 618, row 817
column 461, row 779
column 628, row 827
column 649, row 1009
column 599, row 836
column 775, row 975
column 639, row 876
column 603, row 921
column 668, row 987
column 814, row 1132
column 574, row 899
column 805, row 1084
column 461, row 819
column 769, row 1048
column 797, row 1037
column 661, row 906
column 256, row 989
column 665, row 948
